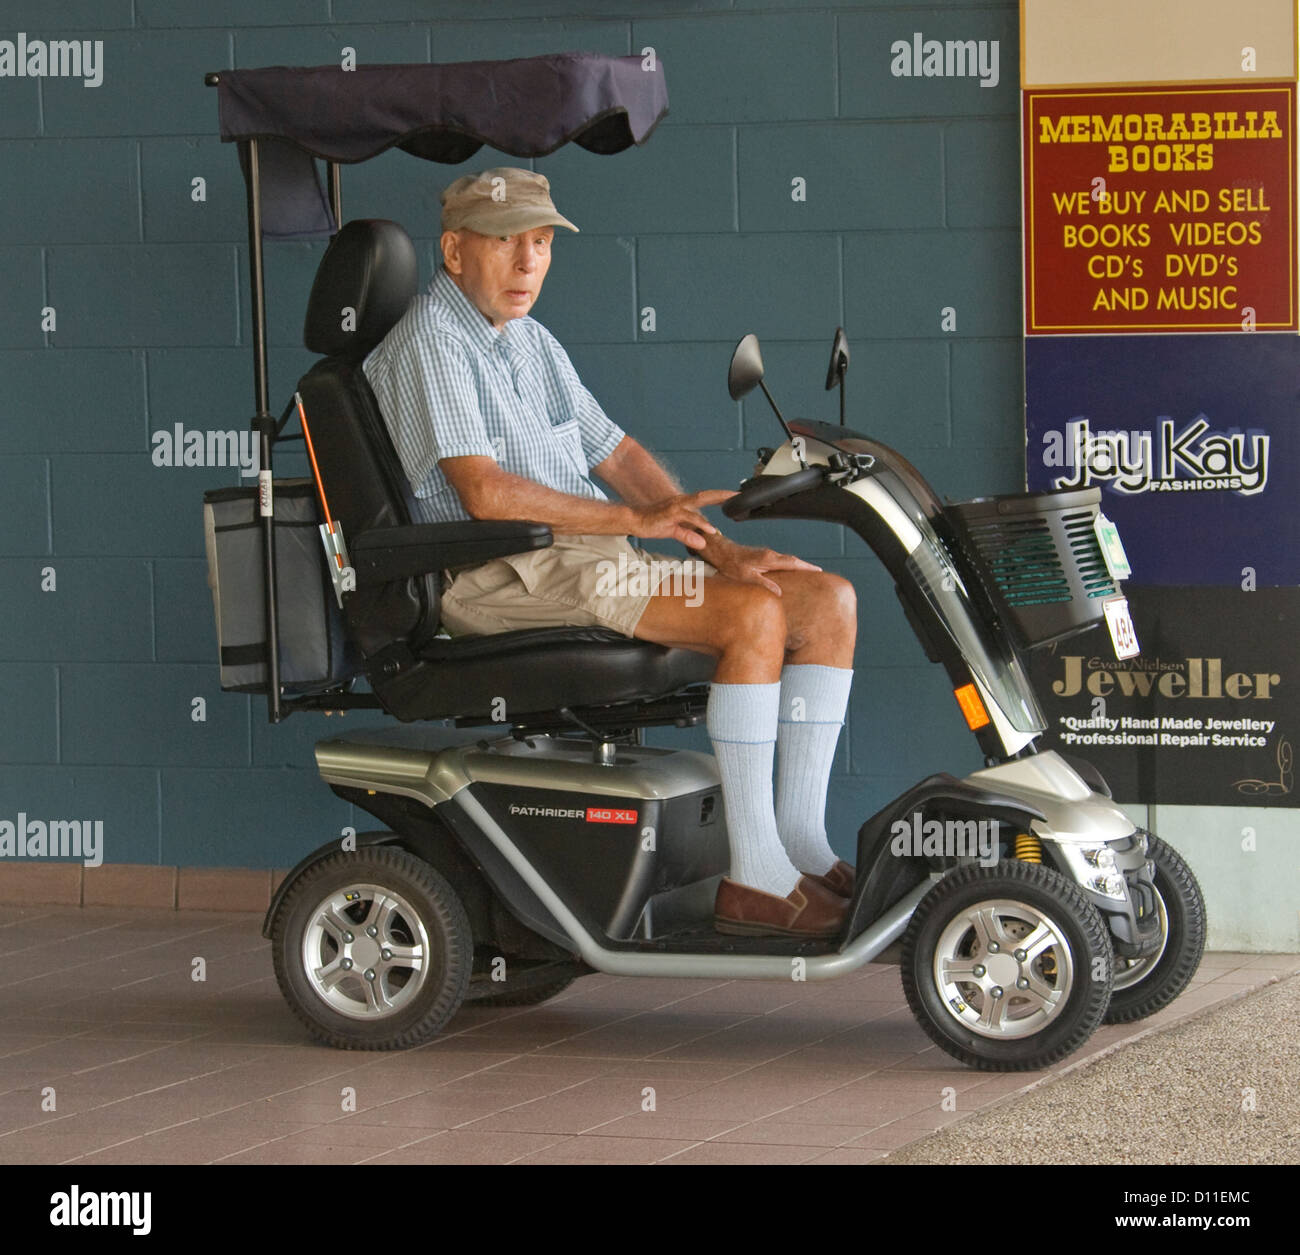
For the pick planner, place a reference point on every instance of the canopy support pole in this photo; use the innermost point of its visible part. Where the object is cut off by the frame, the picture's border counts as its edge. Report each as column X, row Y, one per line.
column 264, row 424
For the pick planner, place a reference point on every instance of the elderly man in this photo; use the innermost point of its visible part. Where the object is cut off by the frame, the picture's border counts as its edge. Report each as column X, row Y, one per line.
column 491, row 421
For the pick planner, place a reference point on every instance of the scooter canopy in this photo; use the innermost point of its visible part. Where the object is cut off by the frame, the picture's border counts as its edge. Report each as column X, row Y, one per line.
column 527, row 107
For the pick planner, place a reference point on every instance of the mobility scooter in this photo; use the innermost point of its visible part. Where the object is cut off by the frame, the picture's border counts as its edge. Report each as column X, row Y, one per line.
column 549, row 841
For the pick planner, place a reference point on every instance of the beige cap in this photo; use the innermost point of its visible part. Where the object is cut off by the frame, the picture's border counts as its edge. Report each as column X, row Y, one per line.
column 500, row 201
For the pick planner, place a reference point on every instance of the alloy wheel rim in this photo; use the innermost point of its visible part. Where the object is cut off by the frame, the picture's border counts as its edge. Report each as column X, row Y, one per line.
column 365, row 951
column 1003, row 969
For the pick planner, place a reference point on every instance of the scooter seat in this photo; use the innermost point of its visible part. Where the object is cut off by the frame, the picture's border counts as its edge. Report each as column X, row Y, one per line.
column 504, row 675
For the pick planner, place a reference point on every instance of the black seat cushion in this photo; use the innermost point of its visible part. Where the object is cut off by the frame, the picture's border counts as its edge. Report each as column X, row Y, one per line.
column 538, row 669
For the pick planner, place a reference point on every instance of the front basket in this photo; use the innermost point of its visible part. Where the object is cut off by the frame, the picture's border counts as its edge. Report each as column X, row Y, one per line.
column 1039, row 558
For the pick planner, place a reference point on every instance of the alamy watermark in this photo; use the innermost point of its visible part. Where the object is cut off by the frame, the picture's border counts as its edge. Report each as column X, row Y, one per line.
column 55, row 58
column 123, row 1209
column 663, row 577
column 55, row 838
column 919, row 57
column 183, row 446
column 917, row 837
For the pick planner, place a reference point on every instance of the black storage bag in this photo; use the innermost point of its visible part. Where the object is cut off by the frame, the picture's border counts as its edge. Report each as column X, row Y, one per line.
column 313, row 649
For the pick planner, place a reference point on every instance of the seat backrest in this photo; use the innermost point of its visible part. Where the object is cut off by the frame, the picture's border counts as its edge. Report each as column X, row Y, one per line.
column 363, row 285
column 370, row 269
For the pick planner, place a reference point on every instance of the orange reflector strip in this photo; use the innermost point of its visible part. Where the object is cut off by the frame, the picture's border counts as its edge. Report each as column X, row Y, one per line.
column 971, row 706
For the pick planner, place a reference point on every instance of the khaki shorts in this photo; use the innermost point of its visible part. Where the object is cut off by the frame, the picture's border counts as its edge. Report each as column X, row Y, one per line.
column 578, row 581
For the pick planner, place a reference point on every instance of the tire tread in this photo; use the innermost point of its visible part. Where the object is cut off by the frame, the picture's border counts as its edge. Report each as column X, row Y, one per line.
column 1124, row 1009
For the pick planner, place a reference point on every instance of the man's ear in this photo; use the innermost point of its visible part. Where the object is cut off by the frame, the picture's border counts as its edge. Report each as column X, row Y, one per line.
column 450, row 244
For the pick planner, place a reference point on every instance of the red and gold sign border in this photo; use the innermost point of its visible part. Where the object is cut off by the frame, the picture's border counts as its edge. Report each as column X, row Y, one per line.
column 1032, row 327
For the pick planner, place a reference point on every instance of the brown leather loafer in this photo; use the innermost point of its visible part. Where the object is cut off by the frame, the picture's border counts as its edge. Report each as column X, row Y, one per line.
column 841, row 879
column 811, row 910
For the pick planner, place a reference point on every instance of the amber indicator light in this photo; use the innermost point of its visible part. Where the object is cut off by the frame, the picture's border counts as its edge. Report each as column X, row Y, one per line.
column 971, row 706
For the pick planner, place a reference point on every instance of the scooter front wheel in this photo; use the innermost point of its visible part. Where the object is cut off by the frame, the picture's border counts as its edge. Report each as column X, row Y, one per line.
column 1143, row 986
column 372, row 949
column 1007, row 967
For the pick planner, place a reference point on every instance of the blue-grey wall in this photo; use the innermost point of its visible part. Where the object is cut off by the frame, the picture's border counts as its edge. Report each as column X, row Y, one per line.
column 911, row 207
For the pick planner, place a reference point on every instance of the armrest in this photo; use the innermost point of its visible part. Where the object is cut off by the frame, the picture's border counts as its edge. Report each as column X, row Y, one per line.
column 393, row 553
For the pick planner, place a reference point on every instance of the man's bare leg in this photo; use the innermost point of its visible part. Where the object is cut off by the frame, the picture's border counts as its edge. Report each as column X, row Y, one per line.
column 753, row 632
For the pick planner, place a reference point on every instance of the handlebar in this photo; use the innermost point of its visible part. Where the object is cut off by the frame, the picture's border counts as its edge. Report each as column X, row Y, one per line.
column 764, row 490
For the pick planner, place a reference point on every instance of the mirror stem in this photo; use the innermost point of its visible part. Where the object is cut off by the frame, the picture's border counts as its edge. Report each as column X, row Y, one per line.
column 789, row 435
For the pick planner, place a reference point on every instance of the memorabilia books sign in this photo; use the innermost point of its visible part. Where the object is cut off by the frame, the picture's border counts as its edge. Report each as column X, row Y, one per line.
column 1160, row 209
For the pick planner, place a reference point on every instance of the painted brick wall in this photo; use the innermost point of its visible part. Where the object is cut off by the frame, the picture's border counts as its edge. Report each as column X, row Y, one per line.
column 911, row 207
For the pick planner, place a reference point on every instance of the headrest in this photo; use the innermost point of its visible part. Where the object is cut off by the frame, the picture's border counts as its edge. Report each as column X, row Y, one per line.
column 370, row 268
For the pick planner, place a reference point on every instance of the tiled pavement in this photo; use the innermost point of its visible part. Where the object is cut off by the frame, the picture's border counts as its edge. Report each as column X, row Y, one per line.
column 148, row 1065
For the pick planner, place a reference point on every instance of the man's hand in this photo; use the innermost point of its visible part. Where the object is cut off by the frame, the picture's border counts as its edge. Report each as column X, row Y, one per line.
column 679, row 517
column 748, row 564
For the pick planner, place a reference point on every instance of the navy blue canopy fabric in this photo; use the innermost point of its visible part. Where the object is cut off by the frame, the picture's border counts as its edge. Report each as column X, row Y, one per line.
column 527, row 107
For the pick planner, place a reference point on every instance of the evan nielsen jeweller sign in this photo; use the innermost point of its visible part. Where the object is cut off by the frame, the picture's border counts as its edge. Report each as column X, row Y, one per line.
column 1160, row 210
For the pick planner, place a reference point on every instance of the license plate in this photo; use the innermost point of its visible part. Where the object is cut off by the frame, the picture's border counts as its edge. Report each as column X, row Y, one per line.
column 1120, row 622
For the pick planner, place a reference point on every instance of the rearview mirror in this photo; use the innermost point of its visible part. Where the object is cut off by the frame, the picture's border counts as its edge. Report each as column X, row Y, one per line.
column 746, row 368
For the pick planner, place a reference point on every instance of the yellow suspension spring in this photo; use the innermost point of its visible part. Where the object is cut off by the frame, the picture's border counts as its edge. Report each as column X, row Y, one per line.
column 1028, row 848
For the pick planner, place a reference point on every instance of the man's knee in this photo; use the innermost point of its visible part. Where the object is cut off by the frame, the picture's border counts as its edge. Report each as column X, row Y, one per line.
column 825, row 609
column 752, row 615
column 838, row 598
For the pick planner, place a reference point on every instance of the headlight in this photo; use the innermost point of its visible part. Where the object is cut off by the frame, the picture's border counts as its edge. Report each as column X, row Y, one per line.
column 1101, row 857
column 1094, row 868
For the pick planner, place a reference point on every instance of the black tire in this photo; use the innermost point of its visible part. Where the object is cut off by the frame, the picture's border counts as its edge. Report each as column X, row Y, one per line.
column 410, row 905
column 1157, row 983
column 526, row 994
column 1069, row 976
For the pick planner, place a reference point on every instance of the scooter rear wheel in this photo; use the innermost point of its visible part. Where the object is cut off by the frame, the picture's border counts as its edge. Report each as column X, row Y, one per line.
column 372, row 950
column 1007, row 967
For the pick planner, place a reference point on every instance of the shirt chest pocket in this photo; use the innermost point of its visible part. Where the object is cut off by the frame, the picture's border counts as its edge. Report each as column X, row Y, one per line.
column 567, row 438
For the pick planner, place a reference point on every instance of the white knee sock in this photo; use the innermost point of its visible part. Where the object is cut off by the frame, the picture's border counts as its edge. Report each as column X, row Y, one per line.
column 813, row 701
column 741, row 722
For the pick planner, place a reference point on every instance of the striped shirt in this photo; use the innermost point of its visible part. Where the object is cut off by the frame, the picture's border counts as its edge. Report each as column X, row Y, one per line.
column 449, row 385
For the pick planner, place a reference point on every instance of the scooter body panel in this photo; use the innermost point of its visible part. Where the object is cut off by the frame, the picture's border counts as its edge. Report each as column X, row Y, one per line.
column 1077, row 825
column 1071, row 810
column 896, row 513
column 615, row 839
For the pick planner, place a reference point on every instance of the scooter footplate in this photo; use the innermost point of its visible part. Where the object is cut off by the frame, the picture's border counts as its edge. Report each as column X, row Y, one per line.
column 708, row 941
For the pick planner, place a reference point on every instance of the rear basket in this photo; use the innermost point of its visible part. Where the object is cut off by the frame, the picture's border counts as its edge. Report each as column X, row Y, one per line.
column 313, row 650
column 1040, row 560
